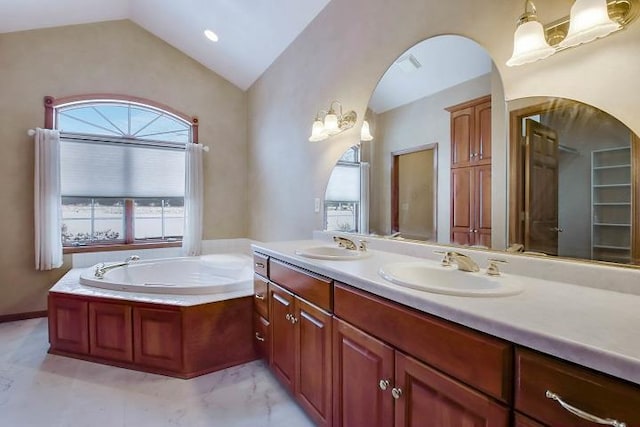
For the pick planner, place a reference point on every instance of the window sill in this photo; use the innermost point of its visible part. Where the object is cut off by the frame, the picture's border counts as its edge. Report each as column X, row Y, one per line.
column 119, row 247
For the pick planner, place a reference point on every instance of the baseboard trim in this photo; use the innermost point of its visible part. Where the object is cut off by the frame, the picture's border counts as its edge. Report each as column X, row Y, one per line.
column 22, row 316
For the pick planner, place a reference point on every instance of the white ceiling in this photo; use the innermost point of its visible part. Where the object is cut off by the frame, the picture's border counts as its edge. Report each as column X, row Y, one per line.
column 465, row 60
column 252, row 33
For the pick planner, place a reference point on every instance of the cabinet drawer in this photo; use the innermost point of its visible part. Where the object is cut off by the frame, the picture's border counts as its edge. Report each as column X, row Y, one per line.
column 261, row 296
column 314, row 288
column 479, row 360
column 261, row 336
column 582, row 388
column 261, row 264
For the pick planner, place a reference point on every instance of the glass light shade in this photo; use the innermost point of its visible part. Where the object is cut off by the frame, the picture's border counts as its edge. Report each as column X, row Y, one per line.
column 331, row 123
column 317, row 131
column 589, row 21
column 365, row 133
column 529, row 44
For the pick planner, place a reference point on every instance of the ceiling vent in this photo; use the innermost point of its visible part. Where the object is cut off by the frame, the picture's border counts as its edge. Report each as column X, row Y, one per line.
column 408, row 63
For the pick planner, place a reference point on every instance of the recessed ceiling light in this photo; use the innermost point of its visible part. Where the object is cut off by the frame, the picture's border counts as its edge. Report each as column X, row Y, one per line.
column 211, row 35
column 408, row 63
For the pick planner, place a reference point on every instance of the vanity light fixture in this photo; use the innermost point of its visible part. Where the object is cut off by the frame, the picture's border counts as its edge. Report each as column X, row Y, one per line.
column 589, row 20
column 332, row 123
column 365, row 132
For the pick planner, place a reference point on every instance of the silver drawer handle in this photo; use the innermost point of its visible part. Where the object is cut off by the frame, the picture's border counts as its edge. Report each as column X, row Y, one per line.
column 582, row 414
column 259, row 265
column 260, row 297
column 259, row 338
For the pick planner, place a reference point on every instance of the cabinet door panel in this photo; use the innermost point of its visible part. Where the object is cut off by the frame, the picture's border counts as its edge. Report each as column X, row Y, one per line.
column 313, row 361
column 462, row 205
column 482, row 124
column 111, row 331
column 282, row 335
column 482, row 198
column 68, row 324
column 431, row 399
column 157, row 337
column 360, row 362
column 462, row 125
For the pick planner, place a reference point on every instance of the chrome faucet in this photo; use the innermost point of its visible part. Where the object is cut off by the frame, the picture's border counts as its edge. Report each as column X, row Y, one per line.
column 349, row 244
column 464, row 262
column 101, row 269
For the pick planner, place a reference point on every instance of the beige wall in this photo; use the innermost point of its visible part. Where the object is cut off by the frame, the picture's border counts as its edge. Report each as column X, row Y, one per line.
column 347, row 48
column 112, row 57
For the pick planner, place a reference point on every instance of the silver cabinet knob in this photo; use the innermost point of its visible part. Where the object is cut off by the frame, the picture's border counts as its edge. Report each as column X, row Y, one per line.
column 384, row 384
column 294, row 320
column 259, row 337
column 288, row 317
column 396, row 393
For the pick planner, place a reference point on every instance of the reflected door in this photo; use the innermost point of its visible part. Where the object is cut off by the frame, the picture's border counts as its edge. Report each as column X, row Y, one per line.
column 541, row 189
column 413, row 190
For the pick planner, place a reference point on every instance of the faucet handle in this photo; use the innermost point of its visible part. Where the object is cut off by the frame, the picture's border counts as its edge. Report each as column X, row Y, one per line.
column 446, row 259
column 363, row 245
column 492, row 268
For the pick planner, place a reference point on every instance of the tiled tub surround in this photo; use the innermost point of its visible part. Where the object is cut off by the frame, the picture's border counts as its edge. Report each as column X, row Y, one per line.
column 588, row 315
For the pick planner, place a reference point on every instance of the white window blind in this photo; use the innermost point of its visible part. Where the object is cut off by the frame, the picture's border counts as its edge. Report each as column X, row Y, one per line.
column 344, row 184
column 104, row 169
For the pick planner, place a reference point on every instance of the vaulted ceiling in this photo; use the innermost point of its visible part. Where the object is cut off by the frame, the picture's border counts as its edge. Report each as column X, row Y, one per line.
column 252, row 34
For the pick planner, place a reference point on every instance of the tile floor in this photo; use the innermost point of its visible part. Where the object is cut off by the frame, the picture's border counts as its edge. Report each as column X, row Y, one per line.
column 41, row 390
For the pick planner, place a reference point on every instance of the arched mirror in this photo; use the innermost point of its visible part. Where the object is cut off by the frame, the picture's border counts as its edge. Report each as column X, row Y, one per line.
column 539, row 175
column 430, row 158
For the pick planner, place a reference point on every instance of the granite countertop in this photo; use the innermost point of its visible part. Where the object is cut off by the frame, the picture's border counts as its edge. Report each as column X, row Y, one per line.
column 593, row 327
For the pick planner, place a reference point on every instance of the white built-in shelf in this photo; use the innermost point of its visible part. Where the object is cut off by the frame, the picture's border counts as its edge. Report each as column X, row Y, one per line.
column 598, row 168
column 611, row 220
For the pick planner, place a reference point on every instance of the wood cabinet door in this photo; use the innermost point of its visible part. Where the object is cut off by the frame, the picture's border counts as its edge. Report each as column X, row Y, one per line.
column 462, row 136
column 522, row 421
column 157, row 337
column 68, row 324
column 482, row 133
column 429, row 398
column 313, row 361
column 360, row 363
column 111, row 331
column 462, row 206
column 261, row 336
column 282, row 335
column 482, row 207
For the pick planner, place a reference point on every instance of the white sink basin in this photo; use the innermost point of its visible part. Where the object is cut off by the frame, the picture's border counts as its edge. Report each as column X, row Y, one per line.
column 432, row 277
column 331, row 253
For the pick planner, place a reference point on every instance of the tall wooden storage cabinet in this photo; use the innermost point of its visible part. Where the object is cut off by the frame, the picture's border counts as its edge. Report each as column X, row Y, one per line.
column 471, row 172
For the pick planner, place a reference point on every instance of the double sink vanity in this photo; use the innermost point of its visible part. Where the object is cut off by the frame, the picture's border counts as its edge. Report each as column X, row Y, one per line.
column 386, row 335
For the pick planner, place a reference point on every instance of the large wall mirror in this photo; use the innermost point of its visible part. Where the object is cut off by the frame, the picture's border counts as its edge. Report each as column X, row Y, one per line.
column 452, row 163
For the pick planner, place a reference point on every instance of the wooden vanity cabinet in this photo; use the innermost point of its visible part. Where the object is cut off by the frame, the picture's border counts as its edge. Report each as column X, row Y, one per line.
column 589, row 391
column 379, row 385
column 301, row 350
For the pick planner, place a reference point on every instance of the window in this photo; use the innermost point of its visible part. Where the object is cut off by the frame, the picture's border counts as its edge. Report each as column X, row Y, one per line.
column 342, row 203
column 122, row 172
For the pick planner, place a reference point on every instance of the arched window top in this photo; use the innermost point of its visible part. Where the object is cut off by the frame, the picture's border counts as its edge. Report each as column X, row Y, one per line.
column 123, row 120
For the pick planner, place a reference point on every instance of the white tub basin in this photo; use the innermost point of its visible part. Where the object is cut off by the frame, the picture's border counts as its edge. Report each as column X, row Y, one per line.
column 432, row 277
column 331, row 253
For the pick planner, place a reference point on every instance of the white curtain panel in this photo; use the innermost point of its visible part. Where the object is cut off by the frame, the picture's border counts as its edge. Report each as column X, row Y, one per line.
column 47, row 202
column 193, row 200
column 364, row 197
